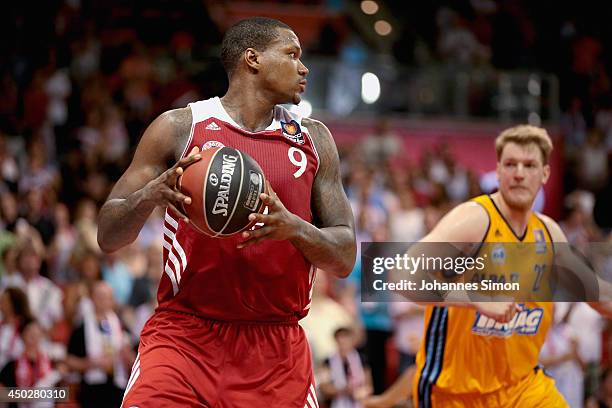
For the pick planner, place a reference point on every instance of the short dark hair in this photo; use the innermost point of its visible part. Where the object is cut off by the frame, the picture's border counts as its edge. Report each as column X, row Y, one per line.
column 20, row 304
column 254, row 32
column 342, row 331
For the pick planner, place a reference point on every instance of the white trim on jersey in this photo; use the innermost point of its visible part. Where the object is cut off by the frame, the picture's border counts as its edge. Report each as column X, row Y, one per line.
column 176, row 264
column 219, row 111
column 170, row 274
column 311, row 280
column 171, row 221
column 174, row 244
column 314, row 149
column 168, row 232
column 311, row 398
column 170, row 243
column 133, row 376
column 178, row 248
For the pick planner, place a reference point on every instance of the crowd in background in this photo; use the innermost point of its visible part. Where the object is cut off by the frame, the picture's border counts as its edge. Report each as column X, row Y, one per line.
column 80, row 82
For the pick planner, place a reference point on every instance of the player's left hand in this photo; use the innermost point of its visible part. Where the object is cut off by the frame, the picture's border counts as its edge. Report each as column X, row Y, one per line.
column 279, row 224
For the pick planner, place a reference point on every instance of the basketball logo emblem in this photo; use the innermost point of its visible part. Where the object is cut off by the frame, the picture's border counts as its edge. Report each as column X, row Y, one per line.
column 214, row 180
column 292, row 131
column 210, row 144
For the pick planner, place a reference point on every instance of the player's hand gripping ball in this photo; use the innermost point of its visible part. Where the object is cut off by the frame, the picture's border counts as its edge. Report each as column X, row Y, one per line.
column 224, row 187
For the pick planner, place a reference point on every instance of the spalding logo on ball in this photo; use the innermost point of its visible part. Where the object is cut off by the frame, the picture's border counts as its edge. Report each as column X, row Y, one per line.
column 224, row 187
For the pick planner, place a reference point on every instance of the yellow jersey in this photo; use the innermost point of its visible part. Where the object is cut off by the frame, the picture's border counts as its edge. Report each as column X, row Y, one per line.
column 464, row 352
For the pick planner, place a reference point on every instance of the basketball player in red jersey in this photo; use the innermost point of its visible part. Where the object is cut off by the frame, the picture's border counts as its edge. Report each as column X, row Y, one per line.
column 226, row 333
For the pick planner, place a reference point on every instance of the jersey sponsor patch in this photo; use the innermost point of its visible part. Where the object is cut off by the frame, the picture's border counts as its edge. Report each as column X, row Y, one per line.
column 526, row 323
column 292, row 131
column 498, row 254
column 540, row 241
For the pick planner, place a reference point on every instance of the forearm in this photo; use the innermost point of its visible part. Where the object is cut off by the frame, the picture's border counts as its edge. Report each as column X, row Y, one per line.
column 80, row 364
column 401, row 389
column 121, row 220
column 332, row 248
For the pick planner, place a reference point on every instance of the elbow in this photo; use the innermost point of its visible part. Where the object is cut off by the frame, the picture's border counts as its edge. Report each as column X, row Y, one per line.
column 343, row 272
column 104, row 243
column 345, row 267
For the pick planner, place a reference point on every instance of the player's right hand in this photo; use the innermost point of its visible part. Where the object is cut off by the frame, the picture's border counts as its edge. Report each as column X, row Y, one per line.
column 163, row 190
column 501, row 312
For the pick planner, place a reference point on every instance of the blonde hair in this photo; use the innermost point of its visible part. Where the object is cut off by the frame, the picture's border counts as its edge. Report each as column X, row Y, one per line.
column 524, row 135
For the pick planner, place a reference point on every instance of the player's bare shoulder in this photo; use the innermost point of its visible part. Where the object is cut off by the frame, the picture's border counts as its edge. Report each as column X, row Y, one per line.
column 179, row 121
column 556, row 233
column 322, row 139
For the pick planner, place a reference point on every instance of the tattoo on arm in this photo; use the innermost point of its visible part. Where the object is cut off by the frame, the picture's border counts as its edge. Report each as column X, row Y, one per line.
column 332, row 245
column 126, row 209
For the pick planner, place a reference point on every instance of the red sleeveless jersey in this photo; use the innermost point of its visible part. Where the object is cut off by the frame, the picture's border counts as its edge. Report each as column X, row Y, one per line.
column 270, row 281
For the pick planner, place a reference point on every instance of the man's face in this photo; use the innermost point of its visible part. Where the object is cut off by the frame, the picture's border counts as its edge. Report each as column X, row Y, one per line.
column 345, row 343
column 281, row 69
column 32, row 335
column 102, row 297
column 521, row 173
column 29, row 263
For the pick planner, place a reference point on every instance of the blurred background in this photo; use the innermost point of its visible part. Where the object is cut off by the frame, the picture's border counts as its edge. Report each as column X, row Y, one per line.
column 414, row 94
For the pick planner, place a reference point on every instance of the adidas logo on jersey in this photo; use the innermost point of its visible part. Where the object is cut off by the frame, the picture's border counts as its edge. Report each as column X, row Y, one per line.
column 526, row 323
column 213, row 126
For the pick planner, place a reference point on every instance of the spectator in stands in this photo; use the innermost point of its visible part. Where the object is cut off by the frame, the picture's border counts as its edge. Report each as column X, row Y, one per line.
column 62, row 245
column 407, row 223
column 324, row 318
column 117, row 274
column 38, row 171
column 382, row 144
column 378, row 326
column 86, row 226
column 457, row 45
column 142, row 299
column 99, row 350
column 10, row 271
column 15, row 316
column 573, row 127
column 561, row 359
column 347, row 378
column 604, row 397
column 88, row 272
column 33, row 367
column 9, row 211
column 39, row 216
column 9, row 170
column 44, row 296
column 593, row 162
column 578, row 225
column 408, row 323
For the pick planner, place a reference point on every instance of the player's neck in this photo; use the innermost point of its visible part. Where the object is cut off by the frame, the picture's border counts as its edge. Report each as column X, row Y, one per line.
column 517, row 218
column 248, row 107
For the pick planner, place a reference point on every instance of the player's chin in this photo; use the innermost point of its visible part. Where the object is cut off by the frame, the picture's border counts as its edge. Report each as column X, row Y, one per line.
column 522, row 201
column 297, row 98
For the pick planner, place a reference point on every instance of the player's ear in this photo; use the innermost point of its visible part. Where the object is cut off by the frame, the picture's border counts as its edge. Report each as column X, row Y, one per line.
column 252, row 58
column 546, row 173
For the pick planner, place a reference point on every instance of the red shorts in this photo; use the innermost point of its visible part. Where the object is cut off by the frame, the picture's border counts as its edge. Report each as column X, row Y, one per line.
column 188, row 361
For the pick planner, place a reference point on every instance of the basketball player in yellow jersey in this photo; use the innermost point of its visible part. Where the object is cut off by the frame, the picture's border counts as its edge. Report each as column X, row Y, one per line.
column 486, row 354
